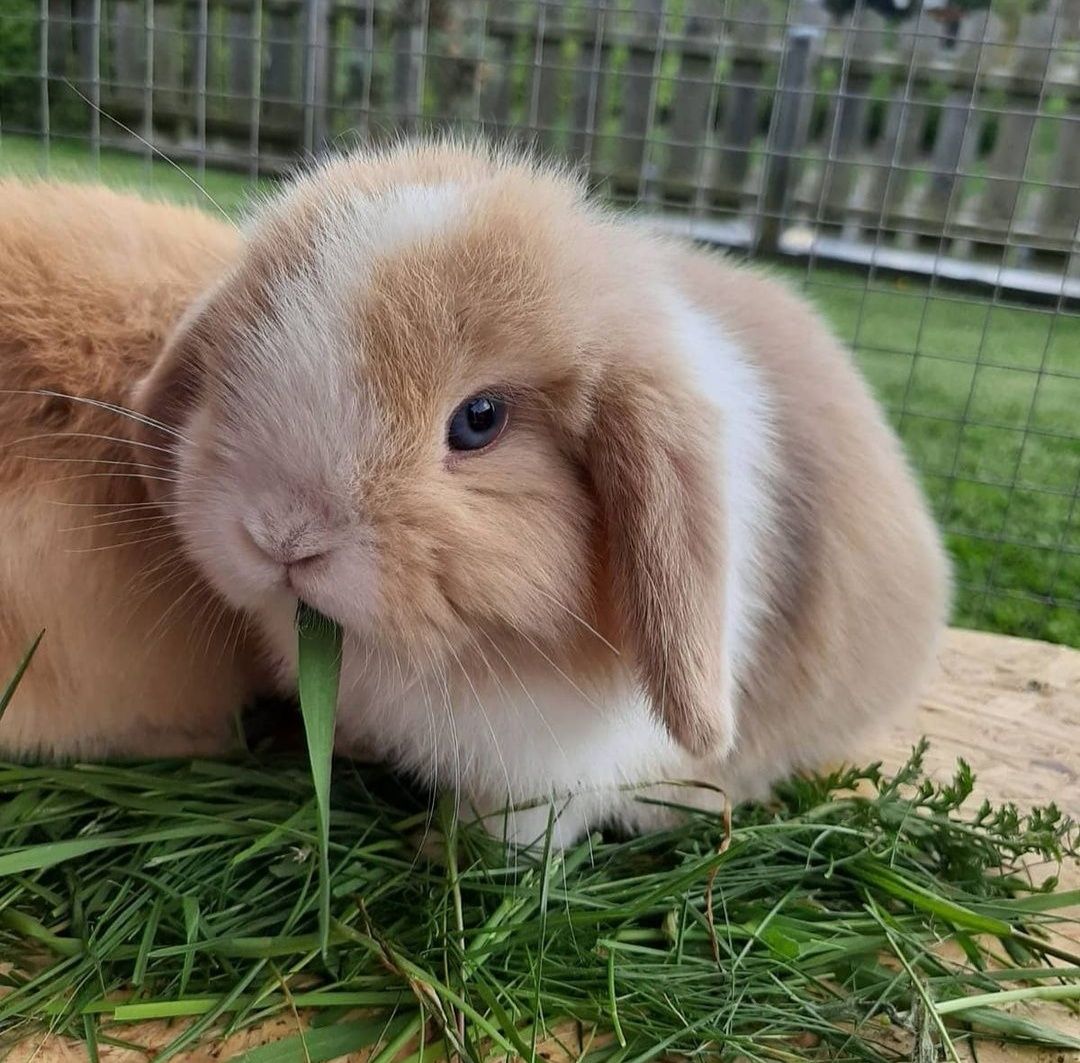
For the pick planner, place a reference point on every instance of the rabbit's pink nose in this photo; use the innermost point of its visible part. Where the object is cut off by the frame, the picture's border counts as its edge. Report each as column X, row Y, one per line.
column 296, row 546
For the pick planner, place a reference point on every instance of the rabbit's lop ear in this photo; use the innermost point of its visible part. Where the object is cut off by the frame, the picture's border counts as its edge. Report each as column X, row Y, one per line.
column 654, row 466
column 165, row 396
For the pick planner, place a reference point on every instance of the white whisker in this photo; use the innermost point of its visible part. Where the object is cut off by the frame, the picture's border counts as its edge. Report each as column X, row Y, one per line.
column 100, row 404
column 93, row 461
column 156, row 150
column 88, row 435
column 581, row 620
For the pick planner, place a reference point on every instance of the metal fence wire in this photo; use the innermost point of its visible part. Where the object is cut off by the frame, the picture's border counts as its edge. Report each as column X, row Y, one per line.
column 914, row 165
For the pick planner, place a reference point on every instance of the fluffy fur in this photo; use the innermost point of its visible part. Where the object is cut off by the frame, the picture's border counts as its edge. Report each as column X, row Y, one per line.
column 139, row 656
column 695, row 553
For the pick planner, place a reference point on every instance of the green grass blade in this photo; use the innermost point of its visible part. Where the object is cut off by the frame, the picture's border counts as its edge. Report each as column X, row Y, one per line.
column 956, row 914
column 20, row 671
column 1009, row 996
column 319, row 664
column 318, row 1046
column 1017, row 1028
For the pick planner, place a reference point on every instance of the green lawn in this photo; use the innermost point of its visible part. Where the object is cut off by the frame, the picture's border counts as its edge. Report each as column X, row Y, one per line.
column 68, row 159
column 986, row 398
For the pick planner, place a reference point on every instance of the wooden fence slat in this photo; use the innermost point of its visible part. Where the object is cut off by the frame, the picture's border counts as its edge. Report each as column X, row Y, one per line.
column 126, row 40
column 636, row 91
column 316, row 69
column 954, row 147
column 691, row 121
column 359, row 66
column 740, row 103
column 242, row 58
column 895, row 161
column 844, row 148
column 548, row 75
column 169, row 101
column 496, row 84
column 408, row 38
column 452, row 66
column 589, row 97
column 1000, row 201
column 61, row 39
column 87, row 40
column 1058, row 218
column 280, row 114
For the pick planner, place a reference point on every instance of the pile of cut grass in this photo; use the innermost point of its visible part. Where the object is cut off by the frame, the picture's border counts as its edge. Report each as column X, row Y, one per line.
column 857, row 914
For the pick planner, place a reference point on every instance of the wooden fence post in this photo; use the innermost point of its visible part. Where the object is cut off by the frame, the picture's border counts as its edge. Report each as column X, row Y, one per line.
column 787, row 136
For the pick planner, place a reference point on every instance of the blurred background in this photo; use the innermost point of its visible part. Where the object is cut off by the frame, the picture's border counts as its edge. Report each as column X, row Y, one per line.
column 912, row 165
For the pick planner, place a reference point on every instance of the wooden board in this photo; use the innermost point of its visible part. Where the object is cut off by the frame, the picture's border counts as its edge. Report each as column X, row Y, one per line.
column 1010, row 707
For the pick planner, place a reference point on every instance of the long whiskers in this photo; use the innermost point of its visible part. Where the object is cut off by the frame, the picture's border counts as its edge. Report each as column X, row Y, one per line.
column 95, row 461
column 87, row 435
column 528, row 694
column 487, row 723
column 575, row 616
column 141, row 541
column 154, row 149
column 149, row 521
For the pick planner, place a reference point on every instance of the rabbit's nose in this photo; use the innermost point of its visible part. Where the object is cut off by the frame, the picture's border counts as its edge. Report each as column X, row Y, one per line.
column 292, row 544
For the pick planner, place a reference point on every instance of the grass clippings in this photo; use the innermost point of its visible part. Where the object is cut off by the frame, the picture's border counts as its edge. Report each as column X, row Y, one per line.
column 856, row 916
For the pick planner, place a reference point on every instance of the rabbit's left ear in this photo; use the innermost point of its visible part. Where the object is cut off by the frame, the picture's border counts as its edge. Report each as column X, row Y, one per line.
column 654, row 467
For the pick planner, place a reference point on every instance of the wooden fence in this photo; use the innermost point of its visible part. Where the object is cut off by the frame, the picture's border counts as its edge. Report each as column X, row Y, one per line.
column 744, row 109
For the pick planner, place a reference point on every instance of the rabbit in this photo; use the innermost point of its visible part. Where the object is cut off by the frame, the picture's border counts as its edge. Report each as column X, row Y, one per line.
column 139, row 657
column 612, row 527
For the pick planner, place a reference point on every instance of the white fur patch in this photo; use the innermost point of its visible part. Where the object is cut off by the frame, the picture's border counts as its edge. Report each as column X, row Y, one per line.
column 733, row 385
column 302, row 370
column 358, row 231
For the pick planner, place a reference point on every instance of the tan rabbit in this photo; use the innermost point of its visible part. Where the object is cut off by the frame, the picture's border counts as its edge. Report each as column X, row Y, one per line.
column 139, row 656
column 596, row 510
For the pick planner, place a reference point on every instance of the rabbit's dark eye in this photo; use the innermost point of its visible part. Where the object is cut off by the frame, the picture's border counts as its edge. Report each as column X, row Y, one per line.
column 477, row 423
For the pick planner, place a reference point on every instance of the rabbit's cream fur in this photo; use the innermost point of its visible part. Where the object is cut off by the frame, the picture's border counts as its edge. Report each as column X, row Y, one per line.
column 695, row 553
column 135, row 657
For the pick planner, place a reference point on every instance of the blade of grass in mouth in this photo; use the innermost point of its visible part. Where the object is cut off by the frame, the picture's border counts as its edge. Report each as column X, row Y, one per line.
column 319, row 670
column 9, row 691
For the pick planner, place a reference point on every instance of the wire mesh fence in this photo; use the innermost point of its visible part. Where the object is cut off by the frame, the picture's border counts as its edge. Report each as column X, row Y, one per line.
column 914, row 165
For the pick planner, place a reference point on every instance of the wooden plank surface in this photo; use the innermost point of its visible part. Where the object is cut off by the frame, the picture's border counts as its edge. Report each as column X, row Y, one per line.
column 1010, row 707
